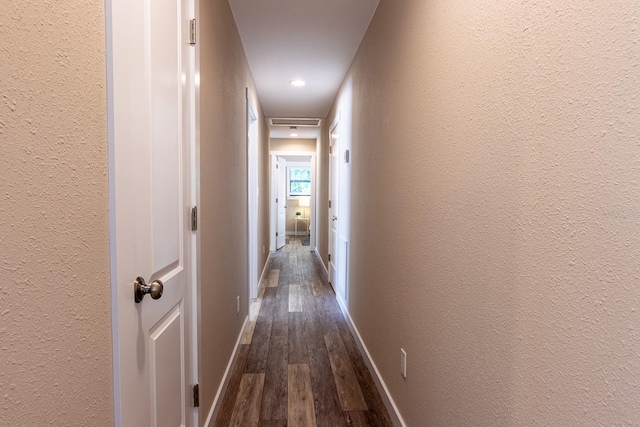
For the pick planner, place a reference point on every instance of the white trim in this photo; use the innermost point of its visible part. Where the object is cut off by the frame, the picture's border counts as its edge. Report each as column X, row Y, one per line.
column 333, row 266
column 264, row 270
column 321, row 262
column 194, row 117
column 213, row 412
column 312, row 226
column 196, row 242
column 394, row 413
column 273, row 206
column 113, row 268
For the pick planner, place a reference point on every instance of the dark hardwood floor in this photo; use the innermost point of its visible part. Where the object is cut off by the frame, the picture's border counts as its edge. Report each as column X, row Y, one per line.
column 298, row 364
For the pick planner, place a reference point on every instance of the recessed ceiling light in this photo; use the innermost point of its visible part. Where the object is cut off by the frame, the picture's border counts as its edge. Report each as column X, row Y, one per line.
column 294, row 134
column 298, row 83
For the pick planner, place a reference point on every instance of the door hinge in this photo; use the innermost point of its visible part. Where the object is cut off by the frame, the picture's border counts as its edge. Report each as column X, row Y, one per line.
column 194, row 218
column 196, row 396
column 277, row 166
column 276, row 200
column 329, row 203
column 329, row 257
column 192, row 32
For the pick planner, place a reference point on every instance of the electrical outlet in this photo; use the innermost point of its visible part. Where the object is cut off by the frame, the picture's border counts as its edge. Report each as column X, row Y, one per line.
column 238, row 304
column 263, row 249
column 403, row 363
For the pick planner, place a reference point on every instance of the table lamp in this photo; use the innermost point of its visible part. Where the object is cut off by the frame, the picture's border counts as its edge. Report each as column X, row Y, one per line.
column 304, row 202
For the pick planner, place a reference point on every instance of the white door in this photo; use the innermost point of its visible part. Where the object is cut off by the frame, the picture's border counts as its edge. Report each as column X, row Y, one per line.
column 151, row 135
column 281, row 227
column 333, row 205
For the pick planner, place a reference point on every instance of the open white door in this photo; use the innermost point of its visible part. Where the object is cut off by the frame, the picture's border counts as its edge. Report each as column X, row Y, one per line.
column 333, row 205
column 151, row 133
column 281, row 223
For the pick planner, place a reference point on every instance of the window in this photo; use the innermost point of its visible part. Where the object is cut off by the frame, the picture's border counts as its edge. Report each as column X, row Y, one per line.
column 299, row 182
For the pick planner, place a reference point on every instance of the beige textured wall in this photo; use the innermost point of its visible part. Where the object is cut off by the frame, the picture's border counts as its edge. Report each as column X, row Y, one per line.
column 223, row 192
column 505, row 135
column 264, row 225
column 290, row 144
column 55, row 319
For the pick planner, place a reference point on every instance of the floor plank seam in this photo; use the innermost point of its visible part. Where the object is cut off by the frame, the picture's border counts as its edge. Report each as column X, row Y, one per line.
column 297, row 361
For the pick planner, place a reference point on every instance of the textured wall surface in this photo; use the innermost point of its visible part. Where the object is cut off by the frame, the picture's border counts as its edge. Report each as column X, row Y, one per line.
column 223, row 192
column 264, row 187
column 322, row 224
column 289, row 144
column 55, row 320
column 496, row 210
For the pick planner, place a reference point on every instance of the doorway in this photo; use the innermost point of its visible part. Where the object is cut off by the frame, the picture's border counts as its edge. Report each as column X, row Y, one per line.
column 338, row 213
column 293, row 190
column 334, row 149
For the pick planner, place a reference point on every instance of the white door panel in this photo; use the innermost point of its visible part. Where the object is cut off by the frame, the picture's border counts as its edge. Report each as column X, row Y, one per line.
column 150, row 77
column 333, row 205
column 166, row 339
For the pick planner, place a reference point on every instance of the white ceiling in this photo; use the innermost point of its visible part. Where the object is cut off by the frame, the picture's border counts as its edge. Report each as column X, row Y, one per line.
column 313, row 40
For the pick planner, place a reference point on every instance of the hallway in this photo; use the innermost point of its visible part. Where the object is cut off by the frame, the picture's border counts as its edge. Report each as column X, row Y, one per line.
column 298, row 363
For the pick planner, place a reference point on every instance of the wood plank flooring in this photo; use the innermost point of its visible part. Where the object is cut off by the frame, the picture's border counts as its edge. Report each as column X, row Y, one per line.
column 298, row 364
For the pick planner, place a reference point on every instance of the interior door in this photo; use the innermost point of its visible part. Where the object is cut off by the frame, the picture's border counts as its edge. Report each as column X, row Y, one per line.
column 151, row 137
column 333, row 205
column 281, row 227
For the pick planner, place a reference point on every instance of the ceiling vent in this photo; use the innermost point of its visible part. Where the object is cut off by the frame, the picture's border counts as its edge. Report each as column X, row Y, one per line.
column 295, row 122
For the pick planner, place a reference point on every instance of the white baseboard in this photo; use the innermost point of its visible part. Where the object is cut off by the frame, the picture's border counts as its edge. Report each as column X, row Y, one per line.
column 264, row 270
column 217, row 401
column 321, row 262
column 394, row 413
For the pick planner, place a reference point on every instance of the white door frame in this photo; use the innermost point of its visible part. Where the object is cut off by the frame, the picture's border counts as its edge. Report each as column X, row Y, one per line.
column 279, row 170
column 333, row 266
column 273, row 207
column 252, row 196
column 192, row 322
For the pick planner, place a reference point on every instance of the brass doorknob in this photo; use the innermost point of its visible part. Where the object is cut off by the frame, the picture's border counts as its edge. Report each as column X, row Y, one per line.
column 140, row 289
